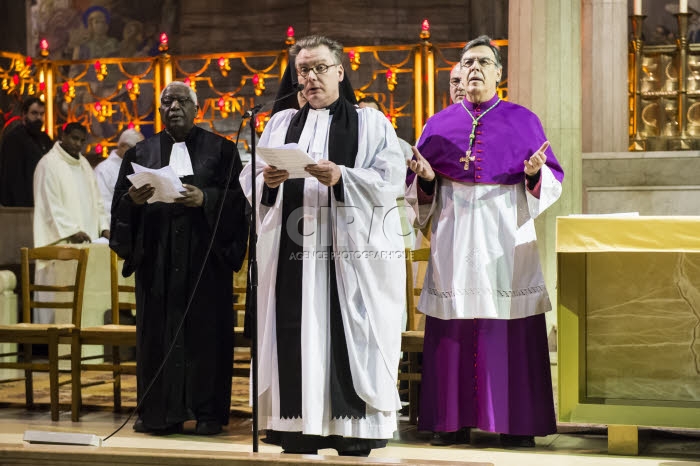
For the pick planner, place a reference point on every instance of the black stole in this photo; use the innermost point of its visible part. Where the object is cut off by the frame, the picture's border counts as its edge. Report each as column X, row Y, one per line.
column 342, row 150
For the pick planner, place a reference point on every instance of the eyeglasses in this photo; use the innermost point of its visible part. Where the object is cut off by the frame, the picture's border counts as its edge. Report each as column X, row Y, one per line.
column 454, row 82
column 168, row 101
column 484, row 62
column 321, row 68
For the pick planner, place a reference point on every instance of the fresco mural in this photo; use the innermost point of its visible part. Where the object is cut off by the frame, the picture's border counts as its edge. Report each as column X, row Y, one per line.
column 86, row 29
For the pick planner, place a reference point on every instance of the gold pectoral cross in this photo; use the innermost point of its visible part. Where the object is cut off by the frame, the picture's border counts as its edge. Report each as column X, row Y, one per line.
column 467, row 158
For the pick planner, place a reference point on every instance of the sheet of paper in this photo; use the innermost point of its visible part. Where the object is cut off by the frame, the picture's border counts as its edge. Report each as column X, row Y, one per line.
column 287, row 157
column 168, row 185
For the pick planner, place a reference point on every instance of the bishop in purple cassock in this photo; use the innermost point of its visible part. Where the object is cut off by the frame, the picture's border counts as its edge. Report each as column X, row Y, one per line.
column 484, row 172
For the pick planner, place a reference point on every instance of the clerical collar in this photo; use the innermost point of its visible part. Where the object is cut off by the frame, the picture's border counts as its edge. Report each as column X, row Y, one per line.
column 483, row 105
column 331, row 108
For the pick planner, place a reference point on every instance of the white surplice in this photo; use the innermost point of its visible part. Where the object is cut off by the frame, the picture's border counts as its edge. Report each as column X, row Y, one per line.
column 489, row 265
column 66, row 201
column 106, row 173
column 369, row 259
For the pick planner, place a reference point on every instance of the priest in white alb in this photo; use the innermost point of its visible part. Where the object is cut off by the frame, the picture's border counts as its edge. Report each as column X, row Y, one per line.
column 68, row 207
column 332, row 274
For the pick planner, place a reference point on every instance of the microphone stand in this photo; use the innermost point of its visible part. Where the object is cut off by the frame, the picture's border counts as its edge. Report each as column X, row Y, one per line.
column 253, row 263
column 253, row 274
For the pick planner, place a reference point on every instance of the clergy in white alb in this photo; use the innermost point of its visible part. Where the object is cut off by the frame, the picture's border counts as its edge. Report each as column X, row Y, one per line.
column 332, row 275
column 107, row 171
column 68, row 207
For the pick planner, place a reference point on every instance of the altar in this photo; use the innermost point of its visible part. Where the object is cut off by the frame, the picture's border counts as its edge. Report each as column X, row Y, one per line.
column 629, row 323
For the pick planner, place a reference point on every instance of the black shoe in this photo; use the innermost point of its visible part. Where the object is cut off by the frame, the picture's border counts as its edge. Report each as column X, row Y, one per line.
column 361, row 453
column 142, row 428
column 463, row 435
column 517, row 441
column 443, row 439
column 139, row 427
column 208, row 428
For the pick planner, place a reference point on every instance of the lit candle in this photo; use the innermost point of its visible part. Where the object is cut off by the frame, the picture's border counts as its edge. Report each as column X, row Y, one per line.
column 683, row 6
column 638, row 7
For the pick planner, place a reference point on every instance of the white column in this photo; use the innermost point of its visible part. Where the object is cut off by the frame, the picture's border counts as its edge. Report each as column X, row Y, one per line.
column 604, row 61
column 544, row 75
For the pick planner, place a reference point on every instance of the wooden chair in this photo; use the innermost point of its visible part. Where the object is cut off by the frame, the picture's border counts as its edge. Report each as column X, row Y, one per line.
column 412, row 338
column 112, row 335
column 240, row 290
column 28, row 333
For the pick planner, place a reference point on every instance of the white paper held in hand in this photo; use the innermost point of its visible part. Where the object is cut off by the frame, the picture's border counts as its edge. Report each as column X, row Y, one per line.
column 287, row 157
column 168, row 185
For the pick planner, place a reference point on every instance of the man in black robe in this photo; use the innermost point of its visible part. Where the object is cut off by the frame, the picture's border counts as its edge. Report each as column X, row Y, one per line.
column 22, row 148
column 166, row 244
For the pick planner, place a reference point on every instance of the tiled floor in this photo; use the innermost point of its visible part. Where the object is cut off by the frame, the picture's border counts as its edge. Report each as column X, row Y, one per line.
column 574, row 445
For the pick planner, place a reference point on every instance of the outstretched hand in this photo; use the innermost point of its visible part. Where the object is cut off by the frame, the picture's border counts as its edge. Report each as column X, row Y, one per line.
column 420, row 166
column 534, row 164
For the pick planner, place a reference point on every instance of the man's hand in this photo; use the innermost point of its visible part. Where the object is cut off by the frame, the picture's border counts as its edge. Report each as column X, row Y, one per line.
column 274, row 177
column 538, row 159
column 142, row 194
column 79, row 237
column 191, row 197
column 420, row 166
column 105, row 234
column 325, row 171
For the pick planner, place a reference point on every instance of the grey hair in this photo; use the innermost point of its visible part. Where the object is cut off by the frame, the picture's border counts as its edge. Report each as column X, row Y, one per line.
column 483, row 41
column 312, row 42
column 130, row 137
column 193, row 95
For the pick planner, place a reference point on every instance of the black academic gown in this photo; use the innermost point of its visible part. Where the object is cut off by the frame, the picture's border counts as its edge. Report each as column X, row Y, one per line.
column 21, row 151
column 165, row 245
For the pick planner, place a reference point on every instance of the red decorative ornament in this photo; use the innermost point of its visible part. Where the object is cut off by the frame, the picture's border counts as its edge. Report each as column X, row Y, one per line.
column 98, row 148
column 44, row 47
column 351, row 55
column 15, row 79
column 163, row 46
column 389, row 74
column 42, row 86
column 98, row 66
column 222, row 62
column 425, row 30
column 98, row 107
column 256, row 79
column 65, row 88
column 28, row 62
column 221, row 103
column 187, row 81
column 290, row 40
column 129, row 85
column 131, row 125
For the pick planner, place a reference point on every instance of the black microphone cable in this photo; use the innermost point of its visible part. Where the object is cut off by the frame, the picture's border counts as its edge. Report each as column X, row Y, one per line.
column 297, row 88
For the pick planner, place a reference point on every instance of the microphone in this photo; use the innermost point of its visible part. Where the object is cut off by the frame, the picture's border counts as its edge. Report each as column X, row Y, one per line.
column 297, row 87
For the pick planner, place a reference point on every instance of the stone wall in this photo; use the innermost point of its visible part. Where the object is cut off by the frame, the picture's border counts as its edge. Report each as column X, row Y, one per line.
column 651, row 183
column 220, row 25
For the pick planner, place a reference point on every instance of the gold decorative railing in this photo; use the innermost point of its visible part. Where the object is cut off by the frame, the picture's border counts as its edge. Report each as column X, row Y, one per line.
column 664, row 91
column 108, row 95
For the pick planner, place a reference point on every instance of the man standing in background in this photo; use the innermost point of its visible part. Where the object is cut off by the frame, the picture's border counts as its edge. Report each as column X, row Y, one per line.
column 22, row 148
column 107, row 171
